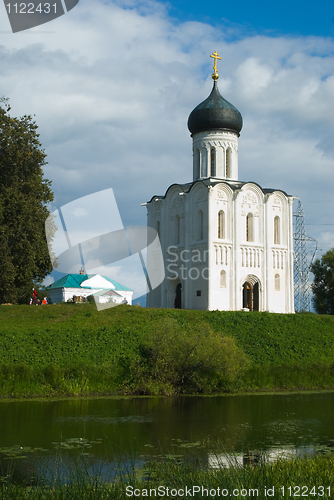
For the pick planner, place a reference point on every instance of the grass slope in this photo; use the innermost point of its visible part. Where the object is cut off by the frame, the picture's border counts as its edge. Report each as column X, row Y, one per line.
column 66, row 349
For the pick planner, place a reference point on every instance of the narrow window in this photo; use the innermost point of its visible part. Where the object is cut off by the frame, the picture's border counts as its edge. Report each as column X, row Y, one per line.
column 197, row 164
column 228, row 163
column 222, row 279
column 277, row 282
column 177, row 229
column 198, row 293
column 200, row 225
column 204, row 163
column 158, row 228
column 249, row 227
column 277, row 231
column 178, row 296
column 221, row 224
column 213, row 162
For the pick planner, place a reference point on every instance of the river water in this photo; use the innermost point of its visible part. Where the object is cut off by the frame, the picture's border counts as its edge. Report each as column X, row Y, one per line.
column 110, row 430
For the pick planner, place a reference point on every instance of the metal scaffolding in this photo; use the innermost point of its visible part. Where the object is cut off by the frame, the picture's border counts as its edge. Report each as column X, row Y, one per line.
column 302, row 265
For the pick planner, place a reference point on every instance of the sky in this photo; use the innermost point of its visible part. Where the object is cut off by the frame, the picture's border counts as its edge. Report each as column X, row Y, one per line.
column 111, row 85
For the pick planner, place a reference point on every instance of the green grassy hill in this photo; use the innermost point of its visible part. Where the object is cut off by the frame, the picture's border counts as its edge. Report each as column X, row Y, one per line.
column 72, row 349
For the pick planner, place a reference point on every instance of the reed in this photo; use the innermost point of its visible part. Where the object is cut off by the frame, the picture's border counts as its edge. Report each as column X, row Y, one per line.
column 303, row 477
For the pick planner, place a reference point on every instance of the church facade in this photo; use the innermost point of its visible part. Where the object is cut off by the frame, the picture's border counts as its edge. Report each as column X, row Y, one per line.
column 227, row 244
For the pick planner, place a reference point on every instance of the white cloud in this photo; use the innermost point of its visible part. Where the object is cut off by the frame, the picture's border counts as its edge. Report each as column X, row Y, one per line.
column 112, row 86
column 325, row 241
column 80, row 212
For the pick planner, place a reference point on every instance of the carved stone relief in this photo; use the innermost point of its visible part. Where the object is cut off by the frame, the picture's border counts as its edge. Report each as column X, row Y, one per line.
column 249, row 199
column 177, row 202
column 200, row 196
column 221, row 195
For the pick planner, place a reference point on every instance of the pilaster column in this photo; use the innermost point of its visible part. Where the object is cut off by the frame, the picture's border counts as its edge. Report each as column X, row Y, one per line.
column 234, row 172
column 204, row 162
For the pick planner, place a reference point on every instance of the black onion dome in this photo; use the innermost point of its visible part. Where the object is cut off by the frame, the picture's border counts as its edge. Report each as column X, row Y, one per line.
column 214, row 113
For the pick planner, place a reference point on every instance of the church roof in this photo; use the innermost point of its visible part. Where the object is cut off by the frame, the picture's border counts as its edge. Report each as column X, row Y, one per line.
column 76, row 280
column 214, row 113
column 234, row 185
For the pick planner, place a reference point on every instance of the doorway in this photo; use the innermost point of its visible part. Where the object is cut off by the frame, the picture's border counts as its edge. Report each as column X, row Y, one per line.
column 250, row 296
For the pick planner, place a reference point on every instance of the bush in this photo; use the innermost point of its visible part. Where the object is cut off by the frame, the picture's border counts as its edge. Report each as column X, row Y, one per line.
column 174, row 359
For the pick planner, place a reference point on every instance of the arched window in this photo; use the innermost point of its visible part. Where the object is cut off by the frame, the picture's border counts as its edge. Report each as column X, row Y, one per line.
column 229, row 163
column 277, row 282
column 222, row 279
column 158, row 228
column 277, row 231
column 221, row 224
column 177, row 229
column 213, row 162
column 200, row 225
column 249, row 227
column 178, row 296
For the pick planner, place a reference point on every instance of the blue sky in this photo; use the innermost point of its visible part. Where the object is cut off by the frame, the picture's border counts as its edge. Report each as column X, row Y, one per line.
column 112, row 83
column 273, row 18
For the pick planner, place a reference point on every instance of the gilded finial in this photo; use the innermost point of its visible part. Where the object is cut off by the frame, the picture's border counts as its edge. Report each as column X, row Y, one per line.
column 215, row 75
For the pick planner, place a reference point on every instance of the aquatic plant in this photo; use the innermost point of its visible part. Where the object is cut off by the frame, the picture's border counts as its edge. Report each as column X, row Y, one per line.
column 310, row 476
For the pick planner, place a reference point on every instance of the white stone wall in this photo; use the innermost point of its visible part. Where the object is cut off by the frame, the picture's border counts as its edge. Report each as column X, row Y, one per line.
column 56, row 295
column 280, row 254
column 225, row 159
column 65, row 294
column 126, row 295
column 213, row 267
column 249, row 261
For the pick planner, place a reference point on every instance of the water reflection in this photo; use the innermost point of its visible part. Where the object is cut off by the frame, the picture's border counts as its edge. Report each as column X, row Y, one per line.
column 132, row 430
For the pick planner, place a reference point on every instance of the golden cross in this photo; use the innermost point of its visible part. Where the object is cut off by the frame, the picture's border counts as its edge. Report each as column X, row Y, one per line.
column 216, row 56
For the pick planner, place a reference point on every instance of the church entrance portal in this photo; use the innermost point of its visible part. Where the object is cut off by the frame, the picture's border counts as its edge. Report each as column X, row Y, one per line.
column 250, row 296
column 178, row 296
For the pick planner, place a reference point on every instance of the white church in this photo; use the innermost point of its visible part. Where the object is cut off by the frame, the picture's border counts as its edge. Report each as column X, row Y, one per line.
column 227, row 245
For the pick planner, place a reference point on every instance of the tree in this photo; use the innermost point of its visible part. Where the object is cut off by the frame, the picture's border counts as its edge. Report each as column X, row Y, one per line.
column 323, row 284
column 24, row 193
